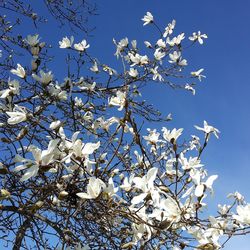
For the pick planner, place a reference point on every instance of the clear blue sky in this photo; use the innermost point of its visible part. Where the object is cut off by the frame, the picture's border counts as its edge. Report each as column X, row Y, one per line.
column 223, row 99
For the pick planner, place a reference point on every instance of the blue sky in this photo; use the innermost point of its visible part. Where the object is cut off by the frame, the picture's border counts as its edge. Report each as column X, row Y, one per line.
column 222, row 98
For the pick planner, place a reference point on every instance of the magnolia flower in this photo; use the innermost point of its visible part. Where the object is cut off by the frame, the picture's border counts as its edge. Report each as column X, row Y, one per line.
column 19, row 71
column 243, row 215
column 193, row 162
column 55, row 125
column 148, row 18
column 120, row 46
column 197, row 74
column 94, row 188
column 138, row 59
column 82, row 46
column 18, row 115
column 110, row 189
column 175, row 40
column 200, row 188
column 87, row 86
column 156, row 74
column 32, row 40
column 14, row 89
column 134, row 44
column 45, row 78
column 56, row 91
column 41, row 158
column 66, row 42
column 158, row 54
column 153, row 136
column 237, row 196
column 167, row 212
column 94, row 68
column 127, row 183
column 145, row 184
column 148, row 44
column 176, row 58
column 110, row 71
column 190, row 88
column 173, row 135
column 133, row 72
column 169, row 29
column 198, row 37
column 161, row 43
column 208, row 129
column 118, row 100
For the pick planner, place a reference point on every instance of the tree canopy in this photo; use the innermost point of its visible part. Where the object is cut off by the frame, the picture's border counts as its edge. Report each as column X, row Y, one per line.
column 79, row 169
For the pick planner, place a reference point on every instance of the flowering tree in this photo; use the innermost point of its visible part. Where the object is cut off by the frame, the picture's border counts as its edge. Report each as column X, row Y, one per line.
column 79, row 171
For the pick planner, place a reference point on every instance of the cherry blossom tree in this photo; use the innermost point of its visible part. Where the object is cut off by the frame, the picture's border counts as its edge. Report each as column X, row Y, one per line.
column 79, row 169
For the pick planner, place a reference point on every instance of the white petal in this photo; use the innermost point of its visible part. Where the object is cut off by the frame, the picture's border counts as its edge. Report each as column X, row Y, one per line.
column 199, row 190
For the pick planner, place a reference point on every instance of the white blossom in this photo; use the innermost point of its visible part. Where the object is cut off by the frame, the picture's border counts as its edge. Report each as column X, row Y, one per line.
column 32, row 40
column 82, row 46
column 19, row 71
column 169, row 29
column 18, row 115
column 148, row 18
column 198, row 37
column 118, row 100
column 66, row 42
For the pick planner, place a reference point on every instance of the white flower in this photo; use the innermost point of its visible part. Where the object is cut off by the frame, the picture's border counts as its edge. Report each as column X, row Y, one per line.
column 134, row 44
column 198, row 37
column 161, row 43
column 118, row 100
column 176, row 58
column 14, row 89
column 55, row 125
column 145, row 184
column 148, row 18
column 173, row 135
column 45, row 78
column 175, row 40
column 110, row 71
column 193, row 162
column 237, row 196
column 41, row 158
column 153, row 136
column 243, row 214
column 148, row 44
column 120, row 46
column 133, row 72
column 190, row 88
column 18, row 115
column 82, row 46
column 127, row 183
column 32, row 40
column 89, row 148
column 208, row 129
column 19, row 71
column 138, row 59
column 158, row 54
column 94, row 188
column 94, row 68
column 156, row 74
column 87, row 86
column 169, row 29
column 66, row 42
column 197, row 74
column 110, row 189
